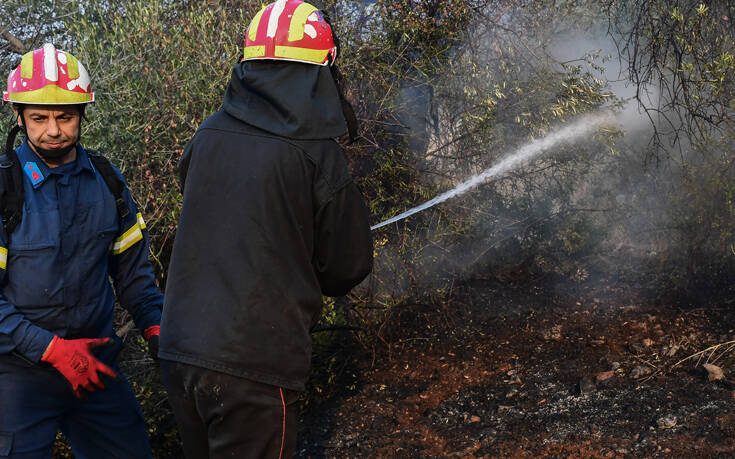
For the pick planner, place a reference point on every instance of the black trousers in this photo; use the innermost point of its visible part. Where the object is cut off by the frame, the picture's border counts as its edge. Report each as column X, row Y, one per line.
column 221, row 415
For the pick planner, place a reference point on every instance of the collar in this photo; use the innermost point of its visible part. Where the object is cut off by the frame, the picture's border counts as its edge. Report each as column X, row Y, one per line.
column 36, row 171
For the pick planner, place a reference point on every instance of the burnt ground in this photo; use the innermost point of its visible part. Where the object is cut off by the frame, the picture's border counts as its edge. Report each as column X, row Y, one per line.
column 592, row 369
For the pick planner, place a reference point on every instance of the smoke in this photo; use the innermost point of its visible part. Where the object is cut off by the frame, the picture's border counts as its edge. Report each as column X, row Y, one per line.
column 595, row 51
column 581, row 198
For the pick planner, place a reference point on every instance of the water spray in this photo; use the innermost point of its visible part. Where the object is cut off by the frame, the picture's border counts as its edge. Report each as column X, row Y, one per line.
column 577, row 129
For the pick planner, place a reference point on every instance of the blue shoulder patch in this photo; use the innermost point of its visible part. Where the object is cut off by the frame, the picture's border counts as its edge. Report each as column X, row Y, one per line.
column 33, row 172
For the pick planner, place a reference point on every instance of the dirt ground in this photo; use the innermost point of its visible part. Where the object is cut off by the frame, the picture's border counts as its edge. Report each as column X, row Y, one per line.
column 592, row 369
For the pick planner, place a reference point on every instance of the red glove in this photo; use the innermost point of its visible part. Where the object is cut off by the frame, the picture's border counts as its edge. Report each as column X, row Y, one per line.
column 151, row 335
column 73, row 359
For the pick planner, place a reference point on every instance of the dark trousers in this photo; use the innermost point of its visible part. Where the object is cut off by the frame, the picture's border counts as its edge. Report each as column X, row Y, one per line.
column 36, row 402
column 221, row 415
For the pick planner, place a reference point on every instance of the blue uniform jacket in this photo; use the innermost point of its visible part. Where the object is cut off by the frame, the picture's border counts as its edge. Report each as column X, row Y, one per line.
column 59, row 266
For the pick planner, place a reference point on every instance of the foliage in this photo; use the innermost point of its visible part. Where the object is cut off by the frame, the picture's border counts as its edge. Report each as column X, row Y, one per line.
column 703, row 217
column 27, row 24
column 457, row 98
column 681, row 55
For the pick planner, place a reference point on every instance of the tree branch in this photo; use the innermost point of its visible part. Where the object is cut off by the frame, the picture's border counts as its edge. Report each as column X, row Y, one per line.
column 16, row 44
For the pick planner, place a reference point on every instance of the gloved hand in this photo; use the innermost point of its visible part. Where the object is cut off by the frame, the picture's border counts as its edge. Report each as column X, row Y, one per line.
column 151, row 335
column 74, row 360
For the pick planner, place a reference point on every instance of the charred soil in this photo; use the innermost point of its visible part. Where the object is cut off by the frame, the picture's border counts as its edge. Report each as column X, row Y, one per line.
column 592, row 369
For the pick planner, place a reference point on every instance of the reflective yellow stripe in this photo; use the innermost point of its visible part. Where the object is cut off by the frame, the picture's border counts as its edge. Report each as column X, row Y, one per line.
column 254, row 51
column 298, row 21
column 127, row 240
column 3, row 257
column 141, row 222
column 50, row 95
column 72, row 66
column 253, row 29
column 301, row 54
column 26, row 66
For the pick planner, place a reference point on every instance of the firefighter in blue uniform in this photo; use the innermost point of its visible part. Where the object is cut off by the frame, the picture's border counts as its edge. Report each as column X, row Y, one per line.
column 74, row 241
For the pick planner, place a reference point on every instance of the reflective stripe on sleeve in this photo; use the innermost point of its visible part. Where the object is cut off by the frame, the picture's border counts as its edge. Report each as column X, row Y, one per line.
column 3, row 257
column 130, row 237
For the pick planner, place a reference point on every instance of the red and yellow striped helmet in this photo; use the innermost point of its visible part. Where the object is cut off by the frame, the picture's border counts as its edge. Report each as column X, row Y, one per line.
column 49, row 76
column 290, row 30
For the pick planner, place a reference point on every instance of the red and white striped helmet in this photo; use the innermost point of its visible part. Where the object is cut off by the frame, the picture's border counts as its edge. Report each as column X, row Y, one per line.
column 290, row 30
column 49, row 76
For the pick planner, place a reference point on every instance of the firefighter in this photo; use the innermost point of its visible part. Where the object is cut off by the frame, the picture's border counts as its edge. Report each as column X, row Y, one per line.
column 72, row 239
column 271, row 220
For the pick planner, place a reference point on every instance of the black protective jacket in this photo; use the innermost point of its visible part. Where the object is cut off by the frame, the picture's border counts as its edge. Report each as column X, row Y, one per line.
column 271, row 220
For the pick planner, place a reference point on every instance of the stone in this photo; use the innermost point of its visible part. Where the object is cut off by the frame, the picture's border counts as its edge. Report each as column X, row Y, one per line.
column 604, row 376
column 503, row 409
column 666, row 422
column 554, row 334
column 640, row 371
column 714, row 373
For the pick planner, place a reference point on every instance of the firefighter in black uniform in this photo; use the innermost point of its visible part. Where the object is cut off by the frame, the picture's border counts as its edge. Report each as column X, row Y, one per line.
column 271, row 220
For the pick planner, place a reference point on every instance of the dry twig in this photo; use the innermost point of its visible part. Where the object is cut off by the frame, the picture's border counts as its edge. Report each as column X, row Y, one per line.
column 711, row 350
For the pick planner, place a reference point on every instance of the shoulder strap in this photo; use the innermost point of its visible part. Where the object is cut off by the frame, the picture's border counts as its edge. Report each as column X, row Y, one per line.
column 11, row 192
column 11, row 187
column 113, row 182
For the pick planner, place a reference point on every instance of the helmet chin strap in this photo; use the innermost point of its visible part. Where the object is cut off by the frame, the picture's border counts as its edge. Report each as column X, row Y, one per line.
column 51, row 153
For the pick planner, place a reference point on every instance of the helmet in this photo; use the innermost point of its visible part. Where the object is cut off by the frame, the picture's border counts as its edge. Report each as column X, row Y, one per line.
column 49, row 76
column 290, row 30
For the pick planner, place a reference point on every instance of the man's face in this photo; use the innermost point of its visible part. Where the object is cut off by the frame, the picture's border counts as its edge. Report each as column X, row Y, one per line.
column 52, row 127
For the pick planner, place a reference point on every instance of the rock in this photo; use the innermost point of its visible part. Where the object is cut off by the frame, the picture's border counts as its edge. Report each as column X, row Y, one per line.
column 714, row 373
column 586, row 386
column 554, row 334
column 640, row 371
column 515, row 380
column 503, row 409
column 666, row 422
column 604, row 376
